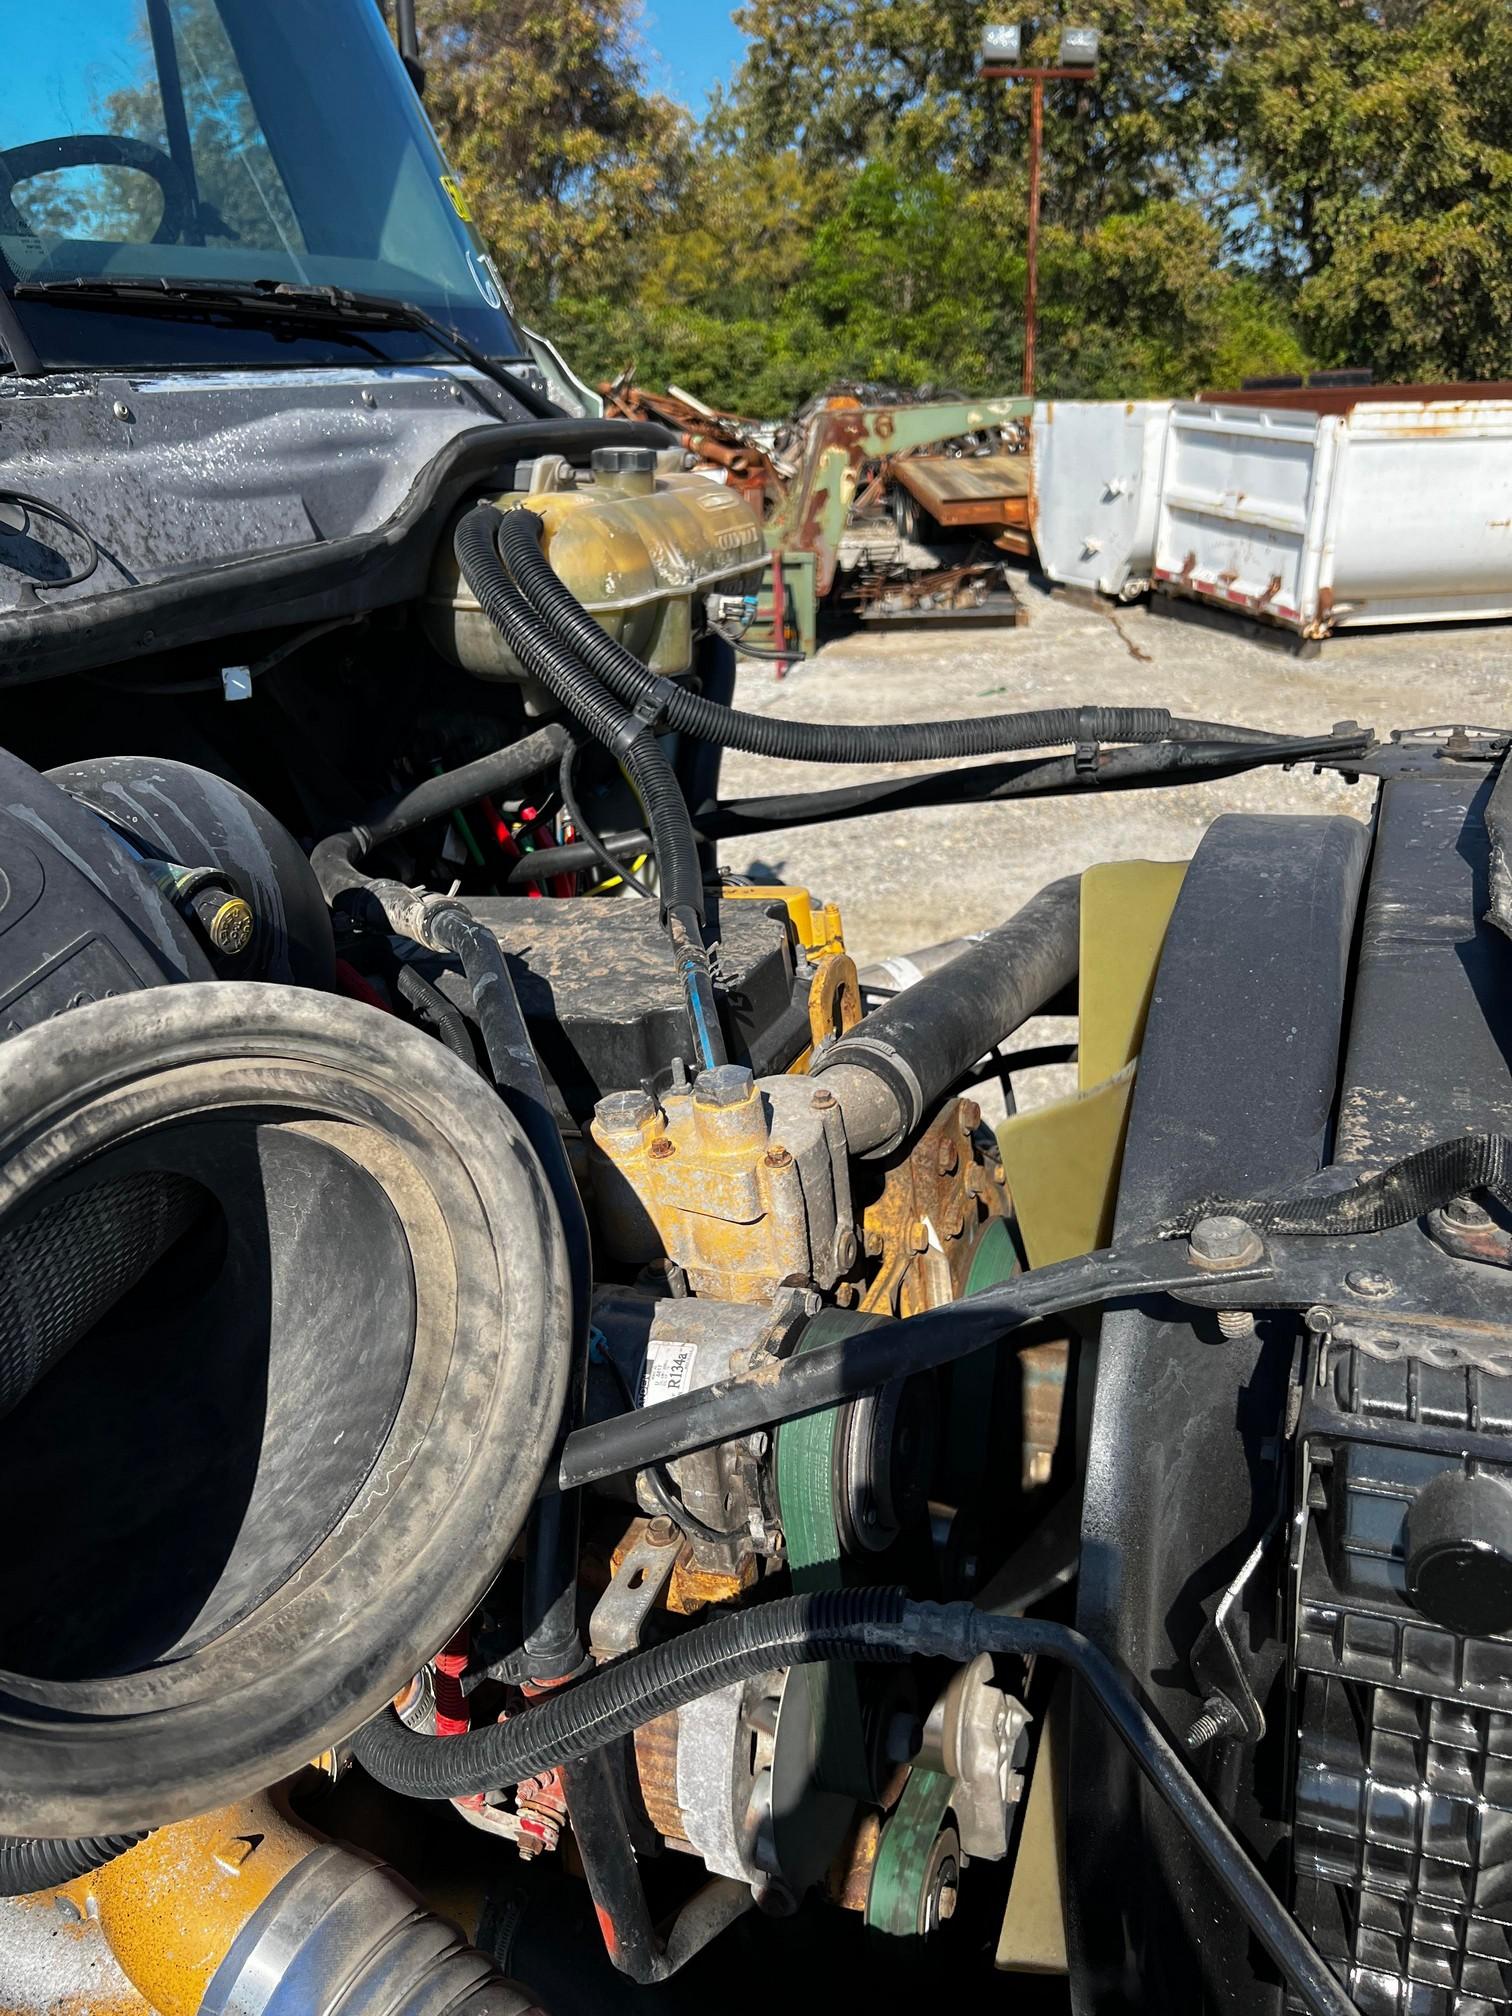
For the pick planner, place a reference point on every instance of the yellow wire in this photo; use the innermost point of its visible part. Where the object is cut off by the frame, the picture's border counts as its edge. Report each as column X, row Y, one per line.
column 616, row 881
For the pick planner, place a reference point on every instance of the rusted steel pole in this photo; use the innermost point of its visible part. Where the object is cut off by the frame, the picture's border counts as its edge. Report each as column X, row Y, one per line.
column 1031, row 283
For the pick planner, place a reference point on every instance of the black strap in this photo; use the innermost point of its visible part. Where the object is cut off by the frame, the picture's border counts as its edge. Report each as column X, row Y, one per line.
column 1409, row 1189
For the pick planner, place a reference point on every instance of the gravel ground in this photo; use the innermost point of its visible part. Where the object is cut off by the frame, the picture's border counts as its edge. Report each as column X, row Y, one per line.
column 916, row 877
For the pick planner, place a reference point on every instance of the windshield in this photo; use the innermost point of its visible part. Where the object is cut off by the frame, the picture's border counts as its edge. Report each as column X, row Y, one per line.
column 232, row 141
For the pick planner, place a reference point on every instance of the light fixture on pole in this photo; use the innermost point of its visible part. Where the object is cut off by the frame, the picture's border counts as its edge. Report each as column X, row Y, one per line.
column 1000, row 57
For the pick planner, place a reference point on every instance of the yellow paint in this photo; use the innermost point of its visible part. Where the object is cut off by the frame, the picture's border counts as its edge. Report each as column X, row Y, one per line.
column 453, row 189
column 1125, row 909
column 1063, row 1159
column 1033, row 1938
column 818, row 925
column 171, row 1907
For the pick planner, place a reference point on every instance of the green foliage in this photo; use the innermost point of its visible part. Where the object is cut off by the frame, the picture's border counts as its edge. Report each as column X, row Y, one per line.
column 1247, row 187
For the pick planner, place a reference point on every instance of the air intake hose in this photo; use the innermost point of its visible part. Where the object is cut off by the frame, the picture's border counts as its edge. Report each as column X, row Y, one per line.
column 627, row 737
column 350, row 1385
column 570, row 624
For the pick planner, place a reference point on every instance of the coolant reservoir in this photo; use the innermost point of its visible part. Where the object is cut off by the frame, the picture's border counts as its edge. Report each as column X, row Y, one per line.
column 633, row 543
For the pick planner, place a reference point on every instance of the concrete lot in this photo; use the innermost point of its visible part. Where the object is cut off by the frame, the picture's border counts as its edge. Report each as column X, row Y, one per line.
column 916, row 877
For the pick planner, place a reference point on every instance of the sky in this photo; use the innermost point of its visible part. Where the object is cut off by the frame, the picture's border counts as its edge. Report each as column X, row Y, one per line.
column 690, row 45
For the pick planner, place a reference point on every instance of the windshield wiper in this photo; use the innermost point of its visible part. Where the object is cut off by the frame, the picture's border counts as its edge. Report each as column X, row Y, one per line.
column 282, row 300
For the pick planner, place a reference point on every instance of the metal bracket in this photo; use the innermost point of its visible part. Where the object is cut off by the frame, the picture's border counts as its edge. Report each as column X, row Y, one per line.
column 1221, row 1661
column 621, row 1612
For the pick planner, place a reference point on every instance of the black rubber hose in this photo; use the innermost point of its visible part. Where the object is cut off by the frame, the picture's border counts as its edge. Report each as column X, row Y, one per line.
column 890, row 1070
column 807, row 741
column 28, row 1864
column 632, row 744
column 443, row 1016
column 609, row 1703
column 872, row 1624
column 337, row 859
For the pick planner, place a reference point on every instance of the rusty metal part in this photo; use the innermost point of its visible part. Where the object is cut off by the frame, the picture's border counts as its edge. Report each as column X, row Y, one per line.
column 967, row 489
column 656, row 1773
column 722, row 440
column 840, row 441
column 742, row 1195
column 936, row 1203
column 850, row 1877
column 692, row 1588
column 834, row 997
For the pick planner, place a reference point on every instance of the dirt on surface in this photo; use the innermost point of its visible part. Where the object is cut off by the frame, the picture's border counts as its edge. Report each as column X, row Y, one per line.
column 913, row 878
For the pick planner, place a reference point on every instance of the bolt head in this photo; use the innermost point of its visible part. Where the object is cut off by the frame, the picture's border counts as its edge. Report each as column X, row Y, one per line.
column 724, row 1085
column 778, row 1158
column 661, row 1149
column 823, row 1101
column 1466, row 1214
column 1222, row 1243
column 121, row 410
column 624, row 1112
column 1366, row 1282
column 661, row 1532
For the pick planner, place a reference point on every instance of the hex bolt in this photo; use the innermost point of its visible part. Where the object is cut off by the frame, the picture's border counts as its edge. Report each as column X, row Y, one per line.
column 1365, row 1281
column 777, row 1158
column 873, row 1245
column 660, row 1149
column 724, row 1085
column 845, row 1249
column 823, row 1102
column 1465, row 1215
column 624, row 1112
column 971, row 1116
column 661, row 1532
column 1220, row 1245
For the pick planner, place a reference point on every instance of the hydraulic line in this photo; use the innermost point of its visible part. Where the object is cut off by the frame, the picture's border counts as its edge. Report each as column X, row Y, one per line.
column 855, row 1624
column 805, row 741
column 629, row 739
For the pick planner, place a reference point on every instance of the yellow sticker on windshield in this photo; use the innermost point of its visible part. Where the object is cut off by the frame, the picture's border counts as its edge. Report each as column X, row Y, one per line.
column 453, row 189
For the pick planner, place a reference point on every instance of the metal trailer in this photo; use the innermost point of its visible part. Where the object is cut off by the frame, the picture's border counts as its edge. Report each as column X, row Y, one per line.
column 1316, row 510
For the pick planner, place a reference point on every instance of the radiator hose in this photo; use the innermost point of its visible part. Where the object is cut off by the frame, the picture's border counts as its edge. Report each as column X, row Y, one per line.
column 570, row 625
column 891, row 1069
column 628, row 738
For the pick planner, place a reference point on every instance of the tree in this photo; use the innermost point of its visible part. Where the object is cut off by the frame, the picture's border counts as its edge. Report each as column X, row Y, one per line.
column 567, row 159
column 1374, row 154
